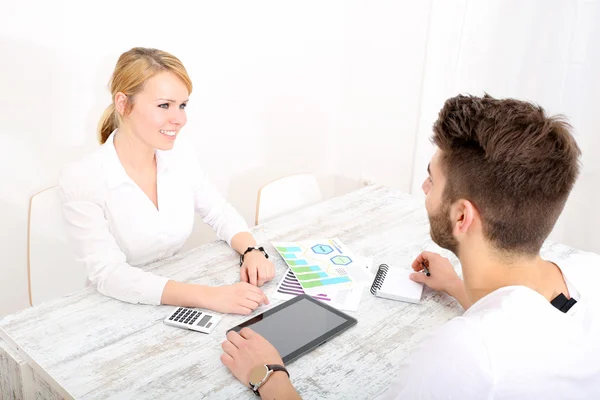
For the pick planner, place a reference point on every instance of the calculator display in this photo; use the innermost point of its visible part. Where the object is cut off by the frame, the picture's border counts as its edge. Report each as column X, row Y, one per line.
column 204, row 320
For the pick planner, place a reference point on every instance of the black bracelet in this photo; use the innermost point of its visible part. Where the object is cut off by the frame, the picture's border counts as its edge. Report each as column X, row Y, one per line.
column 249, row 249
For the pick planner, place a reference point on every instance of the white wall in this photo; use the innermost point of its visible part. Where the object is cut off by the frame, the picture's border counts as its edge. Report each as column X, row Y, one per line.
column 343, row 89
column 279, row 87
column 381, row 90
column 547, row 52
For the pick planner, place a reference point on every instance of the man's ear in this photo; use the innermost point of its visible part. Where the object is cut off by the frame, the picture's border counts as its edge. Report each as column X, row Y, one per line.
column 121, row 103
column 462, row 214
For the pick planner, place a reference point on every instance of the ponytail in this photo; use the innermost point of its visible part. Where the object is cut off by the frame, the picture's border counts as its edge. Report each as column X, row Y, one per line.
column 108, row 123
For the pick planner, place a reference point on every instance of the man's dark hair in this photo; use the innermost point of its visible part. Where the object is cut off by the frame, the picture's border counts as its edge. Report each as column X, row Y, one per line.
column 513, row 162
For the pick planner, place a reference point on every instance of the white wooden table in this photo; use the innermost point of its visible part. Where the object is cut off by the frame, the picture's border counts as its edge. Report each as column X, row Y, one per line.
column 87, row 346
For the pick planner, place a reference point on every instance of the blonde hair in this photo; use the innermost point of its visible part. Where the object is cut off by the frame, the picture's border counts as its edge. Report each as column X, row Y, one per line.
column 133, row 69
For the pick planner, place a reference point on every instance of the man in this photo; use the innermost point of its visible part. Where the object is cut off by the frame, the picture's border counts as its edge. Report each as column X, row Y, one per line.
column 497, row 184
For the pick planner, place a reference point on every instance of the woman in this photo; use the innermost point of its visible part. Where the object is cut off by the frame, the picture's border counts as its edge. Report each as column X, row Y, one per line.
column 133, row 200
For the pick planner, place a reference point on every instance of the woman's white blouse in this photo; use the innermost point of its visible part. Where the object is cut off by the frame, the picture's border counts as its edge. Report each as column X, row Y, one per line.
column 115, row 227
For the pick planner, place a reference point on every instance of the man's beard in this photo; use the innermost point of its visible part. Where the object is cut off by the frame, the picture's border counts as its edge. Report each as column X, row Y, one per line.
column 441, row 230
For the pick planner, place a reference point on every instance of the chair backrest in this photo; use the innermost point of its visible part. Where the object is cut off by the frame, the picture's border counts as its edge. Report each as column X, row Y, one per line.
column 286, row 195
column 52, row 270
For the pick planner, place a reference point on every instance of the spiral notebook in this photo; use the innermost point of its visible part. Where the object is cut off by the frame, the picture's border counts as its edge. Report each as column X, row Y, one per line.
column 395, row 284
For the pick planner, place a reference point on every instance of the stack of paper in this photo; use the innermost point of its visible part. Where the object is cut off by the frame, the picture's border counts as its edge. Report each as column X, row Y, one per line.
column 324, row 269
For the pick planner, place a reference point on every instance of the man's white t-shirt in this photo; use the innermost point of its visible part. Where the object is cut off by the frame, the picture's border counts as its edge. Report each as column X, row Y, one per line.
column 513, row 344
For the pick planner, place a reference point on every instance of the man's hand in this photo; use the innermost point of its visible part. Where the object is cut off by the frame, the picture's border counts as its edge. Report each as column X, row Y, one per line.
column 246, row 350
column 256, row 269
column 443, row 277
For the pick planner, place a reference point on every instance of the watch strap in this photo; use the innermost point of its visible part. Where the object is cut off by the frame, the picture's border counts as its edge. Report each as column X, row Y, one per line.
column 271, row 368
column 277, row 367
column 249, row 249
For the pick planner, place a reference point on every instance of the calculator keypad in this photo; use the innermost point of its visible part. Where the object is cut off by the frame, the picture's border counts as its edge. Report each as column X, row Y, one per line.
column 185, row 316
column 188, row 318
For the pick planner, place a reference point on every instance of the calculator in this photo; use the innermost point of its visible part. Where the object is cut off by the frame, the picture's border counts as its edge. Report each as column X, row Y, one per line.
column 194, row 320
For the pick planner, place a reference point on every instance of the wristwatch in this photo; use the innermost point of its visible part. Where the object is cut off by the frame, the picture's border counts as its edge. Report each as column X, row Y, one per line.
column 249, row 249
column 259, row 375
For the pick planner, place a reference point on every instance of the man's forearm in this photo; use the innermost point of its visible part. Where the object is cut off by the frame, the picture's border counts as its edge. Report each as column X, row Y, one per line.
column 278, row 387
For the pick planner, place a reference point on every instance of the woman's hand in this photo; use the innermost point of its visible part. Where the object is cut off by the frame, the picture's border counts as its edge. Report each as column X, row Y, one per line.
column 239, row 298
column 256, row 269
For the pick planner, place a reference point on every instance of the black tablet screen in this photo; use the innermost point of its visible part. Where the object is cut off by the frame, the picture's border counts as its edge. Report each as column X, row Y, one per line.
column 292, row 328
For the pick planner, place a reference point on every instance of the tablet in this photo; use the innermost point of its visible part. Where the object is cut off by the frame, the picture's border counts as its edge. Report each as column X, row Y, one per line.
column 298, row 325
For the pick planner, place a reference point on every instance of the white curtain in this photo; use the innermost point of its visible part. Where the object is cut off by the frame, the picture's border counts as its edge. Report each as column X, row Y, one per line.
column 546, row 51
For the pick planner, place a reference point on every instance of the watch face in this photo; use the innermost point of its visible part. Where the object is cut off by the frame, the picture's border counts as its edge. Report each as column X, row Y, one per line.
column 258, row 374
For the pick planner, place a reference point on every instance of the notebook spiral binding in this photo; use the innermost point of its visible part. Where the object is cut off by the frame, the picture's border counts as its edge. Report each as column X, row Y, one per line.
column 379, row 278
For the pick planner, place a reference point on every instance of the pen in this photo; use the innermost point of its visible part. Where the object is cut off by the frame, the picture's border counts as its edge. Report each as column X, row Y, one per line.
column 425, row 269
